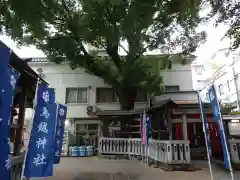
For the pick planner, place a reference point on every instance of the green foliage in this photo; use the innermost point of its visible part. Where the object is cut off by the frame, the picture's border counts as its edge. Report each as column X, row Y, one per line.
column 228, row 107
column 228, row 12
column 235, row 113
column 65, row 29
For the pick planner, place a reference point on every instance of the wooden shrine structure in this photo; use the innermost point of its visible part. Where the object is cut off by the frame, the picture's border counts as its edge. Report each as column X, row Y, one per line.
column 23, row 98
column 176, row 133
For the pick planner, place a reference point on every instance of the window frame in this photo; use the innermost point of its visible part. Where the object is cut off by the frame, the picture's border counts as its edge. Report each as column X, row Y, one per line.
column 86, row 127
column 221, row 89
column 142, row 101
column 114, row 95
column 173, row 86
column 77, row 88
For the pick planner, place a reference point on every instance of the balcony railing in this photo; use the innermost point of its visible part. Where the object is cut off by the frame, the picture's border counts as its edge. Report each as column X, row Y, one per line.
column 168, row 152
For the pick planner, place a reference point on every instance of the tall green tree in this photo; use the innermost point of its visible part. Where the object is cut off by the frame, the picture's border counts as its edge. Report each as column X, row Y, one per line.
column 65, row 29
column 228, row 12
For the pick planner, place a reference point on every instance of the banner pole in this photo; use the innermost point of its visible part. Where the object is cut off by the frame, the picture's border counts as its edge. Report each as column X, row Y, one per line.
column 30, row 128
column 141, row 135
column 147, row 154
column 145, row 136
column 224, row 138
column 54, row 170
column 142, row 153
column 205, row 136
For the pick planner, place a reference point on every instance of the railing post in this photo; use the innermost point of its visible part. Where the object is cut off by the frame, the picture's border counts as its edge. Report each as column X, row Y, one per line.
column 99, row 146
column 187, row 152
column 169, row 152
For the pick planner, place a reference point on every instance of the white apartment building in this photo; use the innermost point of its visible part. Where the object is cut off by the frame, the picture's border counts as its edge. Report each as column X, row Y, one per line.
column 222, row 68
column 226, row 70
column 84, row 93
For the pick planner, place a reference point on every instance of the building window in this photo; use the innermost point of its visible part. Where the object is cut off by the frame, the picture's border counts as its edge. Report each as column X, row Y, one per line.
column 76, row 95
column 172, row 88
column 141, row 97
column 92, row 127
column 229, row 85
column 81, row 127
column 86, row 127
column 221, row 89
column 105, row 95
column 86, row 134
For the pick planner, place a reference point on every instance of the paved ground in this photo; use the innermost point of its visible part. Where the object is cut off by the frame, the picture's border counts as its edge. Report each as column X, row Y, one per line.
column 102, row 169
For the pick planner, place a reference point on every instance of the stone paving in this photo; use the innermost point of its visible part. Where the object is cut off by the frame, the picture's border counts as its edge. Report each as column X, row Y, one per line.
column 102, row 169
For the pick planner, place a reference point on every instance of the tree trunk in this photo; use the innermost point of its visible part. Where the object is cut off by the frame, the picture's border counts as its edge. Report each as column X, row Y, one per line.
column 127, row 98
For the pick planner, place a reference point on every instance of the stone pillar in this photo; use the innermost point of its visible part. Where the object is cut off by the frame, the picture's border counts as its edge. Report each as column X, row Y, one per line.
column 184, row 127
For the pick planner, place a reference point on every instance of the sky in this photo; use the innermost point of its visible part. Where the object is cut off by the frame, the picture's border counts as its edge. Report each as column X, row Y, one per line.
column 204, row 51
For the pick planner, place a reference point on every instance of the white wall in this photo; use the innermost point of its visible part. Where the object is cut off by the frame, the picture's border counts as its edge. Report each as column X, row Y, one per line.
column 178, row 97
column 178, row 75
column 61, row 76
column 234, row 128
column 226, row 74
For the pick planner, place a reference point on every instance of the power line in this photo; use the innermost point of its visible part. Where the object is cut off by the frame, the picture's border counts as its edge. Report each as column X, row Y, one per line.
column 219, row 70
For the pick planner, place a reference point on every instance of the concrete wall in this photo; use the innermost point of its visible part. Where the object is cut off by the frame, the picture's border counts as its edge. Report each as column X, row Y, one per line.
column 178, row 75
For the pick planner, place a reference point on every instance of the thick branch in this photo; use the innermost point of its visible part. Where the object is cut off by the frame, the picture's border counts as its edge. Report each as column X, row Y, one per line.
column 113, row 39
column 113, row 52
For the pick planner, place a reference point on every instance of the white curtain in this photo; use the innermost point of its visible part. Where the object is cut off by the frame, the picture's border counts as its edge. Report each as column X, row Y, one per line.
column 82, row 96
column 72, row 95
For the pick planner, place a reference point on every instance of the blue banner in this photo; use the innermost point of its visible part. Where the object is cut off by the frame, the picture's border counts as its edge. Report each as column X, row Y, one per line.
column 45, row 94
column 205, row 127
column 214, row 103
column 40, row 156
column 61, row 117
column 148, row 129
column 7, row 86
column 218, row 118
column 145, row 125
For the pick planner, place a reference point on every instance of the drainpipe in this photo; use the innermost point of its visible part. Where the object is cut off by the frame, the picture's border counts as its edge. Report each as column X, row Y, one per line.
column 235, row 76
